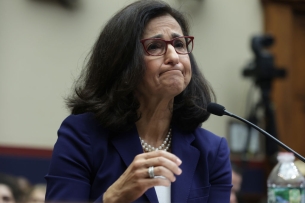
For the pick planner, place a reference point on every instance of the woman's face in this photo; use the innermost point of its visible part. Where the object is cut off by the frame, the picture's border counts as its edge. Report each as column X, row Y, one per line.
column 37, row 196
column 169, row 74
column 6, row 195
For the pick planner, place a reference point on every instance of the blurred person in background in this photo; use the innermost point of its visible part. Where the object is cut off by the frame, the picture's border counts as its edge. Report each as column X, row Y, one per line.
column 18, row 185
column 9, row 189
column 236, row 182
column 36, row 194
column 6, row 194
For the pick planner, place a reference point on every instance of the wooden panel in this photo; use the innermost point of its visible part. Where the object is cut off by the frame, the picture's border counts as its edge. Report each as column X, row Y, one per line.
column 298, row 82
column 286, row 24
column 295, row 4
column 280, row 27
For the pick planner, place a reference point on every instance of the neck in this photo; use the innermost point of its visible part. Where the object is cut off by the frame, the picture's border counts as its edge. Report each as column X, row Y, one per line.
column 156, row 115
column 152, row 131
column 154, row 123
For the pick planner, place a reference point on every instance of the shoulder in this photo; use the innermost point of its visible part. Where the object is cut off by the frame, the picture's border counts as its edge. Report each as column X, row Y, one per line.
column 85, row 121
column 77, row 137
column 211, row 146
column 215, row 151
column 80, row 119
column 83, row 128
column 207, row 138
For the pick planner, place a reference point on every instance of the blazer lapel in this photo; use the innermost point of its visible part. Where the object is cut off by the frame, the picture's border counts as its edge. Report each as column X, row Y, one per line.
column 182, row 148
column 128, row 146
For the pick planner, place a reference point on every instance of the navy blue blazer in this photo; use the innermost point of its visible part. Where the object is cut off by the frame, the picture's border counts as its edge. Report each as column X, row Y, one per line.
column 87, row 159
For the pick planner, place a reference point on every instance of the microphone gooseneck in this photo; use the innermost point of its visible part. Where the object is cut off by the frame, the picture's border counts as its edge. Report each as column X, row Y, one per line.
column 219, row 110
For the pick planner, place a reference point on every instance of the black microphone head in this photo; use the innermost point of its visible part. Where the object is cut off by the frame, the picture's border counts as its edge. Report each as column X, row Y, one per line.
column 216, row 109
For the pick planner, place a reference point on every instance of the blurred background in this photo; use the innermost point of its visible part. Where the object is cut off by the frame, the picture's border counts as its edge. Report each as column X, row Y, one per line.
column 249, row 50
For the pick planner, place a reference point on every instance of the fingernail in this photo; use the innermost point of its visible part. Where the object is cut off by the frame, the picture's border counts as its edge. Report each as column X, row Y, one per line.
column 179, row 161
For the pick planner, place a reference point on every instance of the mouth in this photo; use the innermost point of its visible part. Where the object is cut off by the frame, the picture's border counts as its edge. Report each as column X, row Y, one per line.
column 172, row 71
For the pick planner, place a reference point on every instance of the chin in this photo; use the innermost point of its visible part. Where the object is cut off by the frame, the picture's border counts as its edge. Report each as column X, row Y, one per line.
column 175, row 90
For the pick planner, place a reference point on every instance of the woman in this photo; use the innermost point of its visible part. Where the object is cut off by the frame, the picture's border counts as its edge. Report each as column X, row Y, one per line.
column 6, row 194
column 134, row 133
column 10, row 192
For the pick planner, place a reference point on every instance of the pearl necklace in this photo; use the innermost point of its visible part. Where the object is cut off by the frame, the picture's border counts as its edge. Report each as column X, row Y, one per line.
column 164, row 146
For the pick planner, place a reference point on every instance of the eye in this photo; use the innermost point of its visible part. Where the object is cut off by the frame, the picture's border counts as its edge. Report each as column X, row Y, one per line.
column 180, row 44
column 7, row 198
column 154, row 45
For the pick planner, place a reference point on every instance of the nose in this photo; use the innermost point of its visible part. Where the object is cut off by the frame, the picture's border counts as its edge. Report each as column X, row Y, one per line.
column 171, row 56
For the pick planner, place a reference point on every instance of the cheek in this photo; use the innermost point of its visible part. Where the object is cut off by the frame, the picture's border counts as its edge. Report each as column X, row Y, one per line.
column 152, row 68
column 188, row 70
column 149, row 63
column 150, row 73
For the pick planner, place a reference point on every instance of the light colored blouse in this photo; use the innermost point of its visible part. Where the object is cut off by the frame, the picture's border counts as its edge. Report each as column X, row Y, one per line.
column 163, row 193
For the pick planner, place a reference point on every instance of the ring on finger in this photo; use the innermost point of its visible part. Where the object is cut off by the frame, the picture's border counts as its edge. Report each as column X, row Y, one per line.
column 151, row 172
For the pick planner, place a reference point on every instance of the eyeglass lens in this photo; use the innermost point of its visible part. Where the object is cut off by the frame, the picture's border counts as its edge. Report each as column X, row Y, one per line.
column 182, row 45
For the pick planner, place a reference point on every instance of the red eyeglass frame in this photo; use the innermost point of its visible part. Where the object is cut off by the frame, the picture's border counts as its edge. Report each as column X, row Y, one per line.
column 169, row 42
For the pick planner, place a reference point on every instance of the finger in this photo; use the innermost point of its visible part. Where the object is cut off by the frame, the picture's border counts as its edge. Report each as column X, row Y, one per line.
column 163, row 153
column 157, row 171
column 149, row 183
column 164, row 162
column 165, row 173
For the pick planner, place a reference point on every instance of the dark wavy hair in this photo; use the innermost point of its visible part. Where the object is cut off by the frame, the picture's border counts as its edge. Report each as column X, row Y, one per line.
column 116, row 65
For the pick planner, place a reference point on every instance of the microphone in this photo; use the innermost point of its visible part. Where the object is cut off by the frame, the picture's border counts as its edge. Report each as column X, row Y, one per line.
column 219, row 110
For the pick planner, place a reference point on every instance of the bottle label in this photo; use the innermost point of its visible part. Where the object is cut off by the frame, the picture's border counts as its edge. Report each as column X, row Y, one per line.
column 286, row 195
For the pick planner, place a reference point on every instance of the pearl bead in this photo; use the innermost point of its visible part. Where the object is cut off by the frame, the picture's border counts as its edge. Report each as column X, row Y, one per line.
column 164, row 146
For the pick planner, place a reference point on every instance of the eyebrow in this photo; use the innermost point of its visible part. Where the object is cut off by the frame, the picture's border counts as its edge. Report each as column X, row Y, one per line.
column 174, row 35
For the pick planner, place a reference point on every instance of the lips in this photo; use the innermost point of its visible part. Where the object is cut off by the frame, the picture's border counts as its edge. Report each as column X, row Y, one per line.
column 172, row 70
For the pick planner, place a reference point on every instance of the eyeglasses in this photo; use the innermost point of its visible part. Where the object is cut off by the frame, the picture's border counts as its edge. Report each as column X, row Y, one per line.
column 158, row 47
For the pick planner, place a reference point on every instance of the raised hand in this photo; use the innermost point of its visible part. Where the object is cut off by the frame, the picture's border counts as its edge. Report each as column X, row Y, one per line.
column 137, row 179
